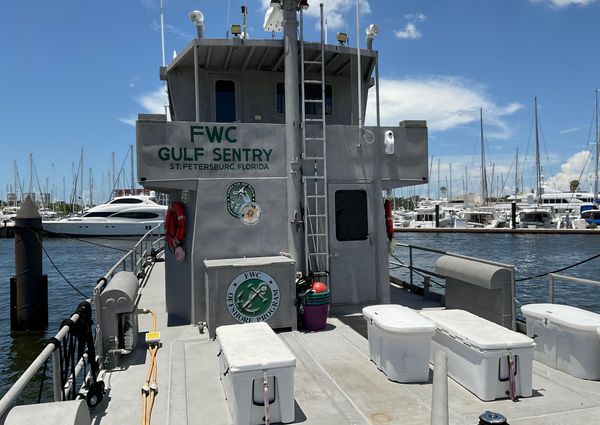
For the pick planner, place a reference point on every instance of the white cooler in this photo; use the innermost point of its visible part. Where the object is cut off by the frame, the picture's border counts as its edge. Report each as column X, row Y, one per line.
column 478, row 350
column 566, row 337
column 248, row 351
column 399, row 341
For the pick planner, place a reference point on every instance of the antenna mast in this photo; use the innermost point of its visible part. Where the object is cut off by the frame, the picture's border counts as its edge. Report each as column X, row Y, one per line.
column 162, row 41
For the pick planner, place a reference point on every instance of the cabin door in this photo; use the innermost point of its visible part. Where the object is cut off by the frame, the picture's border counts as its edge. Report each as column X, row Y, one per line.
column 351, row 244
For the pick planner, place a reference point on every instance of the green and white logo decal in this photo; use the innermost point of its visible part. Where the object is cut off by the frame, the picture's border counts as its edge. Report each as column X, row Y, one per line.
column 253, row 296
column 239, row 194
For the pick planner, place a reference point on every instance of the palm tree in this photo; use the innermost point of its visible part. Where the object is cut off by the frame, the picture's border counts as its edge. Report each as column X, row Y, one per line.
column 574, row 185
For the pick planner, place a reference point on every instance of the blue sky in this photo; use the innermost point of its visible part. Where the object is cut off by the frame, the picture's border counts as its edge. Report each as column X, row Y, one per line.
column 76, row 73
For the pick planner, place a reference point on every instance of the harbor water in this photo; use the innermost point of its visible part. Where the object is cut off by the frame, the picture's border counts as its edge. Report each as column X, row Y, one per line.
column 84, row 261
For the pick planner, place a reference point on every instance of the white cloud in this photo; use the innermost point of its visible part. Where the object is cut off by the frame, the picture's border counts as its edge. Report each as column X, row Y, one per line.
column 565, row 3
column 570, row 130
column 416, row 17
column 445, row 102
column 336, row 11
column 129, row 121
column 152, row 103
column 571, row 170
column 410, row 31
column 172, row 29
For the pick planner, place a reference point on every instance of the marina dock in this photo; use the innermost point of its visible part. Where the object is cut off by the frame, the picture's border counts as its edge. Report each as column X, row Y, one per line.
column 500, row 231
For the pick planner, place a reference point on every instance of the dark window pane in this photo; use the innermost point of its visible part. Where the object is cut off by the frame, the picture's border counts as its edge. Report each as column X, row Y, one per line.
column 351, row 217
column 225, row 101
column 280, row 98
column 98, row 214
column 140, row 215
column 126, row 201
column 313, row 92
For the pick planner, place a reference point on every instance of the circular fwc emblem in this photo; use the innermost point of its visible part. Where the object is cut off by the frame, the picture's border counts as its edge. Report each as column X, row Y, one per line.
column 239, row 194
column 253, row 296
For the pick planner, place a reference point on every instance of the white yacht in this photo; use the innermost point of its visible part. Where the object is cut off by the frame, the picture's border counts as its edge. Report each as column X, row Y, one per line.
column 122, row 216
column 535, row 218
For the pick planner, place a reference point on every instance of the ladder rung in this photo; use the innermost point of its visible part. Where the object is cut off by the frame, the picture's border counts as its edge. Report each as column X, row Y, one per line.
column 313, row 100
column 317, row 253
column 316, row 215
column 316, row 196
column 312, row 139
column 313, row 62
column 316, row 235
column 314, row 177
column 314, row 119
column 312, row 81
column 316, row 158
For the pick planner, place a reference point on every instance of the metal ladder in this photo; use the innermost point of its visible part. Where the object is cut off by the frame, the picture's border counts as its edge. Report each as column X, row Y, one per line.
column 314, row 151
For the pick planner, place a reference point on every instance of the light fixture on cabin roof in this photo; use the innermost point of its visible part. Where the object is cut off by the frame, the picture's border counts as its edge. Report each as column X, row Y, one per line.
column 236, row 30
column 197, row 19
column 342, row 38
column 303, row 4
column 372, row 30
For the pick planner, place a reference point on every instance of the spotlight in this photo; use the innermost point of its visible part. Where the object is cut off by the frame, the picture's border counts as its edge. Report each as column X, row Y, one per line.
column 372, row 30
column 236, row 30
column 342, row 37
column 197, row 18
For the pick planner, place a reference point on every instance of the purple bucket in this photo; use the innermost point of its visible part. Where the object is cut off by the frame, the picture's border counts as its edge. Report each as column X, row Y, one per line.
column 314, row 317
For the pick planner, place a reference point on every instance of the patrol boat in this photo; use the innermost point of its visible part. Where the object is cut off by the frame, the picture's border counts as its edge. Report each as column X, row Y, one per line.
column 275, row 180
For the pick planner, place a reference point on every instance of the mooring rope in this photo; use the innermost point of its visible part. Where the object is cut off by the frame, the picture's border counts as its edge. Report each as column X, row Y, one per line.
column 559, row 270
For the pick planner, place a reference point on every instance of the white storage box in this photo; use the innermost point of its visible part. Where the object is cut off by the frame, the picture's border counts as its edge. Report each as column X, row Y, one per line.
column 248, row 351
column 566, row 337
column 399, row 341
column 477, row 352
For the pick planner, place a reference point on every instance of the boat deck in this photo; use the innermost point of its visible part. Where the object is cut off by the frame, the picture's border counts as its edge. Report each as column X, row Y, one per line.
column 335, row 382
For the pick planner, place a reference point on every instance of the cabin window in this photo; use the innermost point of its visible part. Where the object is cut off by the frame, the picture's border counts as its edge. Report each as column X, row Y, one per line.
column 351, row 217
column 126, row 201
column 140, row 215
column 98, row 214
column 313, row 92
column 225, row 101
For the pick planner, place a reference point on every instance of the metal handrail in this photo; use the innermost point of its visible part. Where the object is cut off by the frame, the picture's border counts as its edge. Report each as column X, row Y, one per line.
column 553, row 277
column 136, row 257
column 412, row 269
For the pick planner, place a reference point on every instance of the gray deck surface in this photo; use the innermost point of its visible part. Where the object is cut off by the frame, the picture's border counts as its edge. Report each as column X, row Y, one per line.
column 335, row 383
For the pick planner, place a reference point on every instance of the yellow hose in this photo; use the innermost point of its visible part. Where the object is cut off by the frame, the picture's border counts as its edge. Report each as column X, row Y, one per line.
column 150, row 389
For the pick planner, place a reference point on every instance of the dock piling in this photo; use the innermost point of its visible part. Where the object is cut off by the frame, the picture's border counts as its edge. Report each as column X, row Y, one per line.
column 28, row 287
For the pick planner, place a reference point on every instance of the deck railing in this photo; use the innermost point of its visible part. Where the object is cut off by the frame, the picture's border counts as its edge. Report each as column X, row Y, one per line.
column 553, row 277
column 136, row 260
column 427, row 274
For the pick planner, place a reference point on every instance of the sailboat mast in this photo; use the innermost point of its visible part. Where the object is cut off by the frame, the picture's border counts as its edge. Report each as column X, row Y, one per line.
column 517, row 175
column 483, row 176
column 538, row 167
column 597, row 146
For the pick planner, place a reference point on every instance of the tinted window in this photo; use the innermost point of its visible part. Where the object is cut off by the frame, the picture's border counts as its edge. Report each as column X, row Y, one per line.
column 137, row 215
column 98, row 214
column 225, row 101
column 351, row 219
column 126, row 201
column 313, row 92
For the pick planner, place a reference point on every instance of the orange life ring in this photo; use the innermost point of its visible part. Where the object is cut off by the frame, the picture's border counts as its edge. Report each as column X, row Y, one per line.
column 175, row 224
column 389, row 219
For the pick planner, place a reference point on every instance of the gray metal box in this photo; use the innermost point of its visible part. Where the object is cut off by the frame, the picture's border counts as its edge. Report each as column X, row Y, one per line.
column 118, row 319
column 245, row 290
